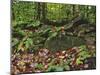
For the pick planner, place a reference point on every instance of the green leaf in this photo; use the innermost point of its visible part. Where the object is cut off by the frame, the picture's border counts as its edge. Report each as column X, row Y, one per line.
column 40, row 66
column 21, row 32
column 28, row 43
column 59, row 69
column 51, row 69
column 15, row 41
column 79, row 61
column 66, row 67
column 34, row 24
column 54, row 34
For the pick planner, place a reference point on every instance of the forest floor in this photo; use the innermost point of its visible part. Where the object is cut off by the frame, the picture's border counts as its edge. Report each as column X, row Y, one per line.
column 45, row 60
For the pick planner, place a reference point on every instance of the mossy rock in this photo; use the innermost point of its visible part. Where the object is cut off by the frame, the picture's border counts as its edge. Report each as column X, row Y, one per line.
column 63, row 43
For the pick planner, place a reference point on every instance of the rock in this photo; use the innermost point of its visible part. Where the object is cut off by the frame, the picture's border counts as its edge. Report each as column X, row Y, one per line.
column 63, row 43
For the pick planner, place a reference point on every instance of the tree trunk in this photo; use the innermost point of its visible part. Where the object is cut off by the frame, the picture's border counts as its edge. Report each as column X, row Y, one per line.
column 38, row 11
column 43, row 11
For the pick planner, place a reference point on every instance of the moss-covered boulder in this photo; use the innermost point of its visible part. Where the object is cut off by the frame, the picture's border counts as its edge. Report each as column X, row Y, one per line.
column 64, row 42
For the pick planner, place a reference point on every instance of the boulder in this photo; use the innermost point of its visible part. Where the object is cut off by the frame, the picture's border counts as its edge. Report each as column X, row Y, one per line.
column 64, row 42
